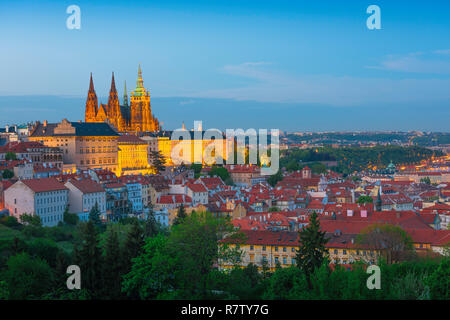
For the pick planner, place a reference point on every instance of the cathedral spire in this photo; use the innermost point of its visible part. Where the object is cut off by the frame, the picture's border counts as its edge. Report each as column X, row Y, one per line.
column 113, row 84
column 91, row 85
column 91, row 103
column 140, row 81
column 125, row 96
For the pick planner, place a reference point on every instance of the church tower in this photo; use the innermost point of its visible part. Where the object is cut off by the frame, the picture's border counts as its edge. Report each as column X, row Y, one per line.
column 91, row 104
column 141, row 112
column 113, row 111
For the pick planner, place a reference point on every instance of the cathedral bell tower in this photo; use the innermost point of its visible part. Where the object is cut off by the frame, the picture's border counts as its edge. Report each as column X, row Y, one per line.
column 141, row 111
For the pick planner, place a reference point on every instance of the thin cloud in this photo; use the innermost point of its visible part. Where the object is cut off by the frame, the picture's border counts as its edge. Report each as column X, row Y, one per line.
column 274, row 86
column 419, row 62
column 446, row 51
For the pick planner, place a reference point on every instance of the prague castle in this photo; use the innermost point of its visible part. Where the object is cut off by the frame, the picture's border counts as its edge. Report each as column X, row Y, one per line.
column 121, row 137
column 134, row 118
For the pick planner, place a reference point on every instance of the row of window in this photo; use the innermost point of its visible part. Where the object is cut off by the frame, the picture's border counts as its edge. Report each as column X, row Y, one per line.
column 264, row 248
column 104, row 149
column 50, row 209
column 276, row 260
column 100, row 161
column 47, row 200
column 52, row 218
column 96, row 139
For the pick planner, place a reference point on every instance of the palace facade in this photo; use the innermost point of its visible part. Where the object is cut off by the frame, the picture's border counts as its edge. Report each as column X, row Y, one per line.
column 134, row 118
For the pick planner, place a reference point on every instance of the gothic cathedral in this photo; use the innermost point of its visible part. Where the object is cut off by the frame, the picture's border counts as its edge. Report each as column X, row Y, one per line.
column 134, row 118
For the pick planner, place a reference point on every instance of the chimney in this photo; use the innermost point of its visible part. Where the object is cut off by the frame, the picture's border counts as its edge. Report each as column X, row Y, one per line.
column 45, row 123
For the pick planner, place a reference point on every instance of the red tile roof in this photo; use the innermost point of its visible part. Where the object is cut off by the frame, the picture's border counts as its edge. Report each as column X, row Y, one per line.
column 196, row 187
column 86, row 185
column 43, row 184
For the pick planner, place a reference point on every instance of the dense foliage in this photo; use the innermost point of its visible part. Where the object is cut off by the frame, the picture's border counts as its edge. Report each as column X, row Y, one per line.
column 134, row 259
column 355, row 159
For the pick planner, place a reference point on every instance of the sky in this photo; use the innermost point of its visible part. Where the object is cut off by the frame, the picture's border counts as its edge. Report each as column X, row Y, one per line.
column 293, row 65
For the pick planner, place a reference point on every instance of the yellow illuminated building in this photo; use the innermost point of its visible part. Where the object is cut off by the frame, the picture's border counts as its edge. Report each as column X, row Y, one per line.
column 271, row 248
column 84, row 145
column 133, row 156
column 193, row 149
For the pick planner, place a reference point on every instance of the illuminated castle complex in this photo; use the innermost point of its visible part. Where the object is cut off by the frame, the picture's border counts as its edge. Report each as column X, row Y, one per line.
column 136, row 117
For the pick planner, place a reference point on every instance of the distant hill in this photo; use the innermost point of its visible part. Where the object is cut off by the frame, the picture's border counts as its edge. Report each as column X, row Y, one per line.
column 226, row 113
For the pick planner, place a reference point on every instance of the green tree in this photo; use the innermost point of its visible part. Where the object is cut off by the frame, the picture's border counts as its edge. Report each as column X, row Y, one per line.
column 312, row 251
column 194, row 243
column 31, row 219
column 112, row 267
column 152, row 272
column 245, row 283
column 10, row 156
column 287, row 283
column 181, row 215
column 158, row 160
column 179, row 266
column 88, row 257
column 439, row 281
column 27, row 278
column 365, row 199
column 70, row 218
column 221, row 172
column 94, row 215
column 274, row 179
column 197, row 167
column 45, row 249
column 7, row 174
column 10, row 222
column 426, row 180
column 133, row 245
column 395, row 244
column 151, row 226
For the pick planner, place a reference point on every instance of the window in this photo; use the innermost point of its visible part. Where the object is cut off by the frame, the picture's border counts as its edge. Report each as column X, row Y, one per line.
column 276, row 249
column 284, row 260
column 335, row 251
column 292, row 249
column 276, row 259
column 264, row 248
column 344, row 251
column 284, row 249
column 251, row 247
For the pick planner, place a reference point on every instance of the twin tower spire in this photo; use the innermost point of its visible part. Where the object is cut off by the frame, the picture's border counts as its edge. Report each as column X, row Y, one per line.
column 135, row 116
column 113, row 88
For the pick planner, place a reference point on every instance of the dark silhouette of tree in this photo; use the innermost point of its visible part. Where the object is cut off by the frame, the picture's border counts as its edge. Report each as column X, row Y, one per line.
column 94, row 215
column 181, row 215
column 112, row 267
column 312, row 251
column 89, row 258
column 158, row 160
column 133, row 245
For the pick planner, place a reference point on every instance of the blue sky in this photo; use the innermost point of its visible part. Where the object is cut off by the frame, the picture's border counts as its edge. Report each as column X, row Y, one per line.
column 282, row 58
